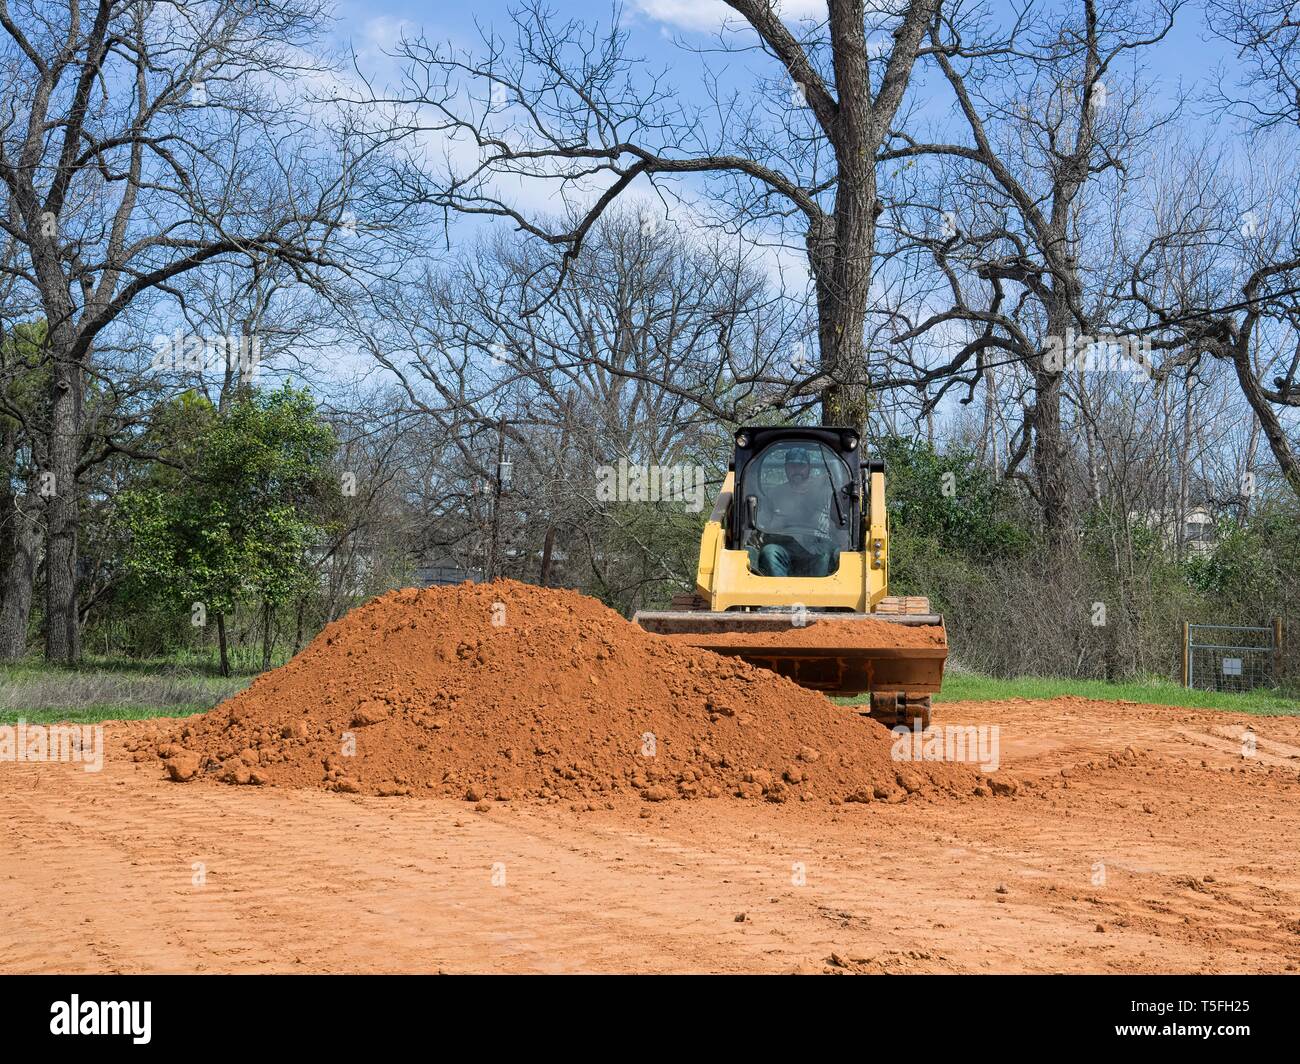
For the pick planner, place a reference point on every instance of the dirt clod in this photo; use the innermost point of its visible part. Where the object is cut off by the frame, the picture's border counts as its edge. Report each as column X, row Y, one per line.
column 183, row 766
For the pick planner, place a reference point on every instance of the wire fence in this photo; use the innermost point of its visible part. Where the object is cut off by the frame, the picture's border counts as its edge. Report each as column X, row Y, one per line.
column 1227, row 657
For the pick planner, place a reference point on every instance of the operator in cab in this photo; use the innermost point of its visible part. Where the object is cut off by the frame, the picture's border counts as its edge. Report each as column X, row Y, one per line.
column 795, row 519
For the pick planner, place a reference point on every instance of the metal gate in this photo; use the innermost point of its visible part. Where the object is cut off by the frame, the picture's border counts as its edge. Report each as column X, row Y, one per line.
column 1227, row 657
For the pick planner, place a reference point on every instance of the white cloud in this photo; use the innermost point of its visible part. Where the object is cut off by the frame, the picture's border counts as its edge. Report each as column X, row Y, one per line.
column 710, row 14
column 382, row 33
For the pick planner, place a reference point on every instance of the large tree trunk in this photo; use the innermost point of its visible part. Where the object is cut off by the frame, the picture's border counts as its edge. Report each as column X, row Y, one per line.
column 1184, row 467
column 268, row 622
column 840, row 252
column 1274, row 432
column 20, row 579
column 222, row 647
column 842, row 255
column 62, row 630
column 8, row 499
column 548, row 553
column 1049, row 454
column 1049, row 445
column 57, row 480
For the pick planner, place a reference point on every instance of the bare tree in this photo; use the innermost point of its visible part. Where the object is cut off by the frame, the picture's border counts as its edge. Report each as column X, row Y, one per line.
column 139, row 142
column 1266, row 34
column 1220, row 278
column 1047, row 121
column 793, row 154
column 620, row 364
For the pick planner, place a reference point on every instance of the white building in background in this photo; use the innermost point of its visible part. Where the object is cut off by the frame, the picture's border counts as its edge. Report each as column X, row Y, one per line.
column 1198, row 532
column 1199, row 536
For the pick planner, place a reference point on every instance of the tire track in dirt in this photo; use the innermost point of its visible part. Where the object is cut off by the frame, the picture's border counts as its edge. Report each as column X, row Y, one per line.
column 1199, row 847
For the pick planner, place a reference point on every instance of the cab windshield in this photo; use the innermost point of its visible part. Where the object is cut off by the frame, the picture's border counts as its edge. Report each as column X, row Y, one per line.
column 801, row 502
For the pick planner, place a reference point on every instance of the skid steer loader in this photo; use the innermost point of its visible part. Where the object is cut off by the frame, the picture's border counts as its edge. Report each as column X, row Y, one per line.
column 793, row 576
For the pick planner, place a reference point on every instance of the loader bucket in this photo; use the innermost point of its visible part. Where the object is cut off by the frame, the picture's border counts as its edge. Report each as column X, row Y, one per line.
column 836, row 653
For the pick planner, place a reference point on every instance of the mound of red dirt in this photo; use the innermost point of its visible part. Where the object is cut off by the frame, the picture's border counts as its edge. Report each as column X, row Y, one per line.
column 860, row 632
column 508, row 691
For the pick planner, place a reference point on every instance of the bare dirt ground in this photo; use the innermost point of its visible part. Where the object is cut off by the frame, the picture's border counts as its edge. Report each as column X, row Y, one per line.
column 1181, row 856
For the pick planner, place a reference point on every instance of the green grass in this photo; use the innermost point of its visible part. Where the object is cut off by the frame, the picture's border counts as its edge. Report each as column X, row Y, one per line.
column 97, row 713
column 102, row 689
column 105, row 689
column 963, row 687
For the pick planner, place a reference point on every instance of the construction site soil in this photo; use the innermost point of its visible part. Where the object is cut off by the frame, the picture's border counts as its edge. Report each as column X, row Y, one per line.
column 505, row 691
column 1119, row 837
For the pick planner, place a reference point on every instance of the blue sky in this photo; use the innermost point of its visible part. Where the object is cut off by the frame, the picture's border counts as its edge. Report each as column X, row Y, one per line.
column 1186, row 56
column 1185, row 61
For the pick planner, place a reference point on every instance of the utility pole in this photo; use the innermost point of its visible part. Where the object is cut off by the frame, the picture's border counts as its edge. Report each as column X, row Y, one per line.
column 498, row 488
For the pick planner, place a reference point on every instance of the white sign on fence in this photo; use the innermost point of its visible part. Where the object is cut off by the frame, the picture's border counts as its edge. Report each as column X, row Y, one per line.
column 1232, row 666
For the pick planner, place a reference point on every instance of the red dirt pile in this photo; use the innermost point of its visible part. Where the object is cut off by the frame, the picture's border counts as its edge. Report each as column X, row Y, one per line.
column 862, row 632
column 507, row 691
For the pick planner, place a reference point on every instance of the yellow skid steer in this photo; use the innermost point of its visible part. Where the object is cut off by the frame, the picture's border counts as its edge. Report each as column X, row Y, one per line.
column 793, row 576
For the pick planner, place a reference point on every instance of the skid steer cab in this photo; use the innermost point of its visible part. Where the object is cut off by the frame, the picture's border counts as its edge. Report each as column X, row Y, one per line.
column 798, row 538
column 796, row 525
